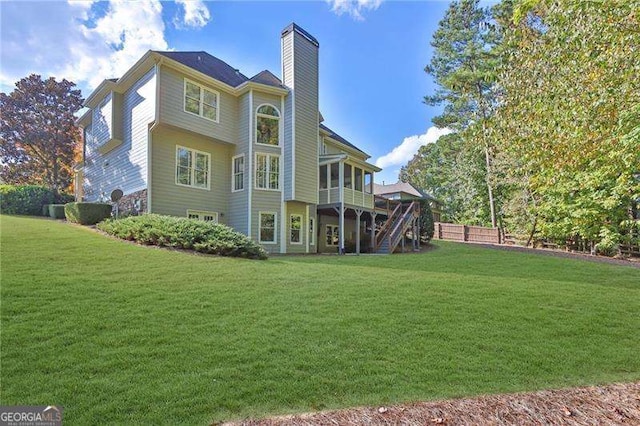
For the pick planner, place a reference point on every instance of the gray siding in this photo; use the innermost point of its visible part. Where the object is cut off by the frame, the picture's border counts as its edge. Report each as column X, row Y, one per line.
column 300, row 67
column 261, row 99
column 287, row 78
column 101, row 121
column 169, row 198
column 124, row 167
column 293, row 207
column 266, row 201
column 306, row 119
column 238, row 201
column 172, row 108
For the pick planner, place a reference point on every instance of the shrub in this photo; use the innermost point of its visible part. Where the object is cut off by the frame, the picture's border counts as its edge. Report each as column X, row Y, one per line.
column 45, row 210
column 183, row 233
column 63, row 198
column 24, row 199
column 56, row 211
column 87, row 213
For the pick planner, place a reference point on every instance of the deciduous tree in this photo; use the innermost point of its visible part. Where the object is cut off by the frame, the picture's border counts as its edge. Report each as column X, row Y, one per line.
column 569, row 119
column 39, row 141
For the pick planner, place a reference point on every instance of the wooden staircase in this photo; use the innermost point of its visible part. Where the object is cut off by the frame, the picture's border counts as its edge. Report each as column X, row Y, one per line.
column 399, row 221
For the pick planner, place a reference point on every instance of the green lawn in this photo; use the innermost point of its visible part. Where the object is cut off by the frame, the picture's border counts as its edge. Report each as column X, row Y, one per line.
column 118, row 333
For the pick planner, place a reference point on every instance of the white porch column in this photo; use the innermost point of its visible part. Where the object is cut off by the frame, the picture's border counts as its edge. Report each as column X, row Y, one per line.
column 341, row 185
column 358, row 214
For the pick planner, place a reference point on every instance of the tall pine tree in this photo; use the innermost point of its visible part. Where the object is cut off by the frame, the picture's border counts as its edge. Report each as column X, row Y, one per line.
column 464, row 67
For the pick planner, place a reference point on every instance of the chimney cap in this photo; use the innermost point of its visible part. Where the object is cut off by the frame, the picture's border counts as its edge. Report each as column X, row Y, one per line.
column 297, row 28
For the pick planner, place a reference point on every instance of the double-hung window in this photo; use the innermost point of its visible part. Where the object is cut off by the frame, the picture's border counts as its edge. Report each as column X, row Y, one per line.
column 192, row 167
column 267, row 171
column 201, row 101
column 295, row 224
column 238, row 173
column 267, row 227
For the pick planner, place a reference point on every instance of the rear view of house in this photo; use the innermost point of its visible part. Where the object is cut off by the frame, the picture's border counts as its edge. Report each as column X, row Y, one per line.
column 186, row 134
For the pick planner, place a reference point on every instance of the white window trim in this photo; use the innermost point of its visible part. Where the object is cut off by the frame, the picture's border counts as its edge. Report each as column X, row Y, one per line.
column 325, row 234
column 275, row 227
column 175, row 171
column 204, row 213
column 233, row 173
column 201, row 86
column 297, row 243
column 255, row 174
column 312, row 231
column 280, row 126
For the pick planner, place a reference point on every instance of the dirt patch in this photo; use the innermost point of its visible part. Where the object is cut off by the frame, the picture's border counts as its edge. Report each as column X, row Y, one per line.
column 617, row 404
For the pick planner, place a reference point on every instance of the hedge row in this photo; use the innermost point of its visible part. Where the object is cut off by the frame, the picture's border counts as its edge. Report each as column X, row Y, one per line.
column 191, row 234
column 56, row 211
column 87, row 213
column 29, row 199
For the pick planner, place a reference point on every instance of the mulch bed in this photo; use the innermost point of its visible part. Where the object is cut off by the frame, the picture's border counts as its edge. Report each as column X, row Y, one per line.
column 617, row 404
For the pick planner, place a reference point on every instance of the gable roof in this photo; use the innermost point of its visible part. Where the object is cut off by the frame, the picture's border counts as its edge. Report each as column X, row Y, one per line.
column 340, row 139
column 208, row 65
column 393, row 188
column 266, row 77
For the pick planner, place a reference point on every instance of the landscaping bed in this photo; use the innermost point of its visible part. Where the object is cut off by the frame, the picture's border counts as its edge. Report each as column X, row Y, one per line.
column 183, row 233
column 617, row 404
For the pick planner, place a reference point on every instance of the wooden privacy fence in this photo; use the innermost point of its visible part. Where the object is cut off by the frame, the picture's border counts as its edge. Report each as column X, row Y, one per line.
column 475, row 234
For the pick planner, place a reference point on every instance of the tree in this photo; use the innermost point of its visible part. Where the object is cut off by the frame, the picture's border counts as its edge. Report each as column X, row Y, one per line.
column 464, row 67
column 452, row 172
column 569, row 118
column 39, row 141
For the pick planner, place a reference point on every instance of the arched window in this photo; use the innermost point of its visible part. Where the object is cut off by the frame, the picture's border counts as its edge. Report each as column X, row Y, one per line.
column 267, row 125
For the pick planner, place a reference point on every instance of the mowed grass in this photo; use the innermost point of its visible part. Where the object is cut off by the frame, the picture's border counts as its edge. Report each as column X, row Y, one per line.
column 122, row 334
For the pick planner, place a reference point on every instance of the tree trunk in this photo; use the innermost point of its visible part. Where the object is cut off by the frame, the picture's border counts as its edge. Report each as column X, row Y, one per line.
column 533, row 231
column 487, row 157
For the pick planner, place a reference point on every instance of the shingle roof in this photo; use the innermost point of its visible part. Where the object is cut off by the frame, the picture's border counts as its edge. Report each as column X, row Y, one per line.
column 398, row 187
column 340, row 139
column 266, row 77
column 208, row 65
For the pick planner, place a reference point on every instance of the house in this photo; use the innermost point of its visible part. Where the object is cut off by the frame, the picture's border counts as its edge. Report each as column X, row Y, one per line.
column 186, row 134
column 405, row 192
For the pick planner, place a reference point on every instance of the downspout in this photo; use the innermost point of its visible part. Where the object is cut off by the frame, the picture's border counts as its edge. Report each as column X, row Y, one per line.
column 250, row 186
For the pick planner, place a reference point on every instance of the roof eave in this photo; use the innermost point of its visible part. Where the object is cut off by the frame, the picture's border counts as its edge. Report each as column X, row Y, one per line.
column 95, row 96
column 84, row 119
column 348, row 148
column 248, row 85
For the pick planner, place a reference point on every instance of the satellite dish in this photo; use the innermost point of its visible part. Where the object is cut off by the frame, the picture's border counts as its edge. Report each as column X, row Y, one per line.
column 116, row 194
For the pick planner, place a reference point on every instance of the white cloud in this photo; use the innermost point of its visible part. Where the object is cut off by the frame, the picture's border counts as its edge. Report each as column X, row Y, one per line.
column 82, row 41
column 401, row 154
column 115, row 41
column 196, row 14
column 354, row 8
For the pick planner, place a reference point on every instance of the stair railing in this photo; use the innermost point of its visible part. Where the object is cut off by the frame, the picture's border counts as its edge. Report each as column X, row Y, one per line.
column 380, row 235
column 397, row 233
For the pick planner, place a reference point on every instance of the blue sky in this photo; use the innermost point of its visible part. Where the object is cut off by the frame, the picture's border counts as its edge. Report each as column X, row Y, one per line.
column 372, row 54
